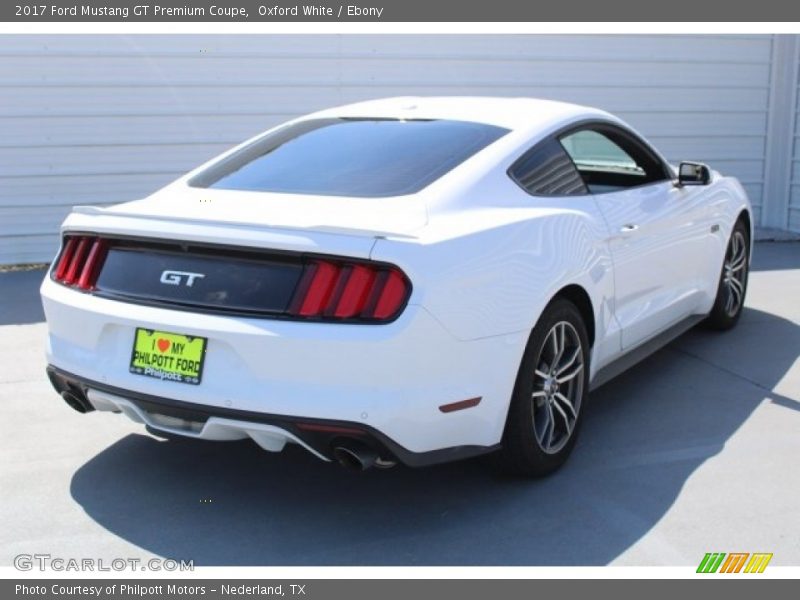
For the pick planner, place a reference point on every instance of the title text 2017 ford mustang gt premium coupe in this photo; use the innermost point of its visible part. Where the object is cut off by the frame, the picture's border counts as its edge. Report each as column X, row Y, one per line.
column 409, row 280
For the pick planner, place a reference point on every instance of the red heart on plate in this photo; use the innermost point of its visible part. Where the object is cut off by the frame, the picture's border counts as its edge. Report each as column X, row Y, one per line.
column 163, row 345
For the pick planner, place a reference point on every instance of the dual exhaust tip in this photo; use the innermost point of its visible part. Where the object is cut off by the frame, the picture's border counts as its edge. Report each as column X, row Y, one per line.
column 77, row 401
column 358, row 456
column 71, row 393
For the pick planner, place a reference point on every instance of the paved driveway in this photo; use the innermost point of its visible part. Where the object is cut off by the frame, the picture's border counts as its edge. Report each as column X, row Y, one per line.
column 694, row 450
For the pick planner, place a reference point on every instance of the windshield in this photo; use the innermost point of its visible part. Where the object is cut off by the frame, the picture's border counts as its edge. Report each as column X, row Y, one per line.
column 350, row 157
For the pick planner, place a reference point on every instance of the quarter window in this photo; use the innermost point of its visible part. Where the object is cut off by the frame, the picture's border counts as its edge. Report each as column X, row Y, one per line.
column 547, row 170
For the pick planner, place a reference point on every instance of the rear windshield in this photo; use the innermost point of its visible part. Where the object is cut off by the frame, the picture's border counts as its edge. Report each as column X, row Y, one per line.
column 350, row 157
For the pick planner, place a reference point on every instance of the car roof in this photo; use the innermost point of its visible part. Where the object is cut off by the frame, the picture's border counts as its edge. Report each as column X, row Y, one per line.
column 509, row 113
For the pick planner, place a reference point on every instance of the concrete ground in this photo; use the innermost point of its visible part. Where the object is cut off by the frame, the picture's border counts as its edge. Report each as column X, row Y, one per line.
column 694, row 450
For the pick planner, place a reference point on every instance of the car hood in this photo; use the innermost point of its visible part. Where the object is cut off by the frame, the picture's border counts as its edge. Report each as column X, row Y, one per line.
column 396, row 216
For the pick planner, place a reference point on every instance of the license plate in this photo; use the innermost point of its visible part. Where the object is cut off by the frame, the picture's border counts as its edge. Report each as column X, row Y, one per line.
column 168, row 356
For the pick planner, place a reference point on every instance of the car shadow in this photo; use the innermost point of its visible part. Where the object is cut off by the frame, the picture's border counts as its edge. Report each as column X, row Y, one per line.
column 776, row 256
column 645, row 433
column 20, row 302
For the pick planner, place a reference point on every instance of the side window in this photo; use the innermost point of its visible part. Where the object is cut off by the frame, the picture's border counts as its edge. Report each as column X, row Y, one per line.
column 592, row 150
column 546, row 170
column 610, row 160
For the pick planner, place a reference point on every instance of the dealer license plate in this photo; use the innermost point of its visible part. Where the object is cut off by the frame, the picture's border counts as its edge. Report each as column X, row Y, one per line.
column 168, row 356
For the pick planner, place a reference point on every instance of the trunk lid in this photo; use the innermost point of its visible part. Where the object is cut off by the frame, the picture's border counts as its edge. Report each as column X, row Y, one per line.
column 308, row 224
column 239, row 253
column 371, row 217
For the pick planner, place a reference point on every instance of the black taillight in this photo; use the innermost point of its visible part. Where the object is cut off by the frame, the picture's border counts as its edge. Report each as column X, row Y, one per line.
column 80, row 261
column 334, row 290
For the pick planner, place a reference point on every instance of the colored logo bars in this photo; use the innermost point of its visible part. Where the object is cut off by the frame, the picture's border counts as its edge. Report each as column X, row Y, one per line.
column 719, row 562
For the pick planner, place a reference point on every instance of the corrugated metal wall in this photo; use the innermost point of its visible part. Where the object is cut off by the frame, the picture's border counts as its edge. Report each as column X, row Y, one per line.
column 793, row 217
column 103, row 119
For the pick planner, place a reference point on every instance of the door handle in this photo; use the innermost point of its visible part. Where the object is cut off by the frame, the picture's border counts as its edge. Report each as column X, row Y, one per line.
column 628, row 228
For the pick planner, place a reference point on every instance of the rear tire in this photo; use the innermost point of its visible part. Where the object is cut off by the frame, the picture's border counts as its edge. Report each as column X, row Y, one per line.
column 546, row 407
column 732, row 285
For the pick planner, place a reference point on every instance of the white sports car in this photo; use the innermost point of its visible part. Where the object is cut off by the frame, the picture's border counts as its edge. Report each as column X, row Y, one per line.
column 411, row 280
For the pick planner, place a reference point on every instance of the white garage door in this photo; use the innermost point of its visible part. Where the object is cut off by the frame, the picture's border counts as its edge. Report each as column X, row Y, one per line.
column 103, row 119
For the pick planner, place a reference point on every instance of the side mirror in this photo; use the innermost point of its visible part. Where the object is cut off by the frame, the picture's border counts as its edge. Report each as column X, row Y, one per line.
column 693, row 173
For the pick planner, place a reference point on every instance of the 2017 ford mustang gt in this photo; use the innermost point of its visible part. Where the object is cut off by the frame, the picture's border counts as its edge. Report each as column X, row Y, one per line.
column 410, row 280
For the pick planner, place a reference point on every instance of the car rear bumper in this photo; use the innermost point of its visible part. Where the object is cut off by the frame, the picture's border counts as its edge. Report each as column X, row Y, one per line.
column 387, row 381
column 271, row 432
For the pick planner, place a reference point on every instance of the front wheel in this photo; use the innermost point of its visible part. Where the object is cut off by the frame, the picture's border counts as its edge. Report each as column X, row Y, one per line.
column 546, row 407
column 732, row 284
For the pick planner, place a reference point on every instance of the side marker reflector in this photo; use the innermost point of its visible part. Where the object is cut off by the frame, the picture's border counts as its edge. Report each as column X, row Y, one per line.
column 446, row 408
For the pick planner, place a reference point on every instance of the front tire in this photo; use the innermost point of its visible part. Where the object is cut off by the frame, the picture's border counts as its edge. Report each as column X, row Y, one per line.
column 544, row 416
column 732, row 285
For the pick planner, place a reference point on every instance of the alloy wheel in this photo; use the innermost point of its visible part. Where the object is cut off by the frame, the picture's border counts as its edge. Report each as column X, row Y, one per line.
column 557, row 387
column 734, row 273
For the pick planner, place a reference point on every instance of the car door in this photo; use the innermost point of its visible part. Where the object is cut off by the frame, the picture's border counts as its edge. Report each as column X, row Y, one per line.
column 656, row 232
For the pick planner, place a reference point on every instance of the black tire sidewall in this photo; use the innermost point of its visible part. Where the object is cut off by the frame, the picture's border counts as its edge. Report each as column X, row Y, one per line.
column 521, row 452
column 718, row 318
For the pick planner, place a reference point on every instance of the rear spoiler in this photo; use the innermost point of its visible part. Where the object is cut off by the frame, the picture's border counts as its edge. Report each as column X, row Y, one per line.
column 321, row 228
